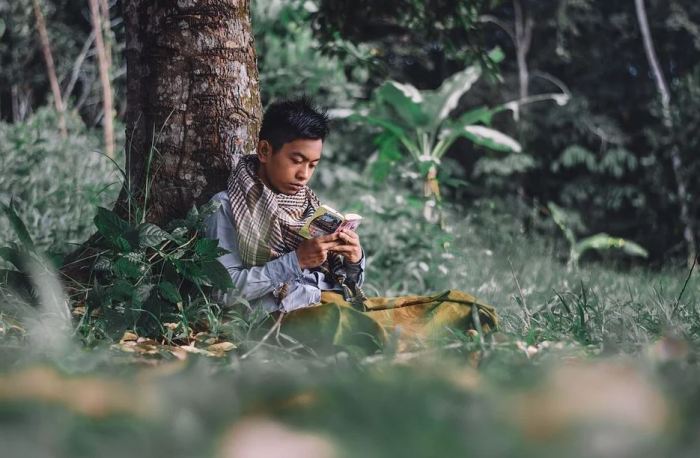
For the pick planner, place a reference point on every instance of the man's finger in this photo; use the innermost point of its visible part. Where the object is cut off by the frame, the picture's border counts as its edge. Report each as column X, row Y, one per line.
column 328, row 237
column 330, row 244
column 343, row 249
column 349, row 233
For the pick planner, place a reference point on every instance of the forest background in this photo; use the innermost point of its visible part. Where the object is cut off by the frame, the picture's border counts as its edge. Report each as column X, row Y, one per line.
column 571, row 206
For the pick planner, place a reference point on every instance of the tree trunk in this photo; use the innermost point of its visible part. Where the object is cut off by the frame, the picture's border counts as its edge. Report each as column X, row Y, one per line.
column 523, row 39
column 50, row 67
column 676, row 160
column 107, row 30
column 523, row 25
column 103, row 64
column 192, row 100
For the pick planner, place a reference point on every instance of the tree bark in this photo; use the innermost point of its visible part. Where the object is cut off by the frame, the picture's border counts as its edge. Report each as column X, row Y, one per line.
column 103, row 64
column 676, row 160
column 50, row 67
column 192, row 101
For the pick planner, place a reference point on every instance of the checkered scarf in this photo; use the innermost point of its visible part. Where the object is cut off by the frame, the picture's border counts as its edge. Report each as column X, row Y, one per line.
column 268, row 223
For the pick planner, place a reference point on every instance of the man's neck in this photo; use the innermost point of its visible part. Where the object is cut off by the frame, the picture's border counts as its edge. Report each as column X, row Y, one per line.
column 263, row 177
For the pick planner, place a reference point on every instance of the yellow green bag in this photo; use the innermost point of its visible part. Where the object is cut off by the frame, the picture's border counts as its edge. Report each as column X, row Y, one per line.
column 368, row 325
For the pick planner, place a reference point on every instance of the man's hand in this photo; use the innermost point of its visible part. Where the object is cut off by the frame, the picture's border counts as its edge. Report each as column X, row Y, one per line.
column 350, row 247
column 313, row 252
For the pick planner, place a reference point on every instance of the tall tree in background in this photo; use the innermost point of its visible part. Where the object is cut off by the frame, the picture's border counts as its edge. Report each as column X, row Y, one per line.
column 50, row 67
column 676, row 161
column 192, row 101
column 103, row 59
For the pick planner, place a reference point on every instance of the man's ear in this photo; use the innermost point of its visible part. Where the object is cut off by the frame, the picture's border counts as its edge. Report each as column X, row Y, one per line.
column 264, row 151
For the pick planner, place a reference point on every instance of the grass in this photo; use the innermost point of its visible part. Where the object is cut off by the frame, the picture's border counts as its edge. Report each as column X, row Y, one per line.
column 597, row 361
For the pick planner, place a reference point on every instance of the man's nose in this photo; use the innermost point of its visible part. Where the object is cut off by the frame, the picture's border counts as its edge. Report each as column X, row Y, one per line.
column 304, row 172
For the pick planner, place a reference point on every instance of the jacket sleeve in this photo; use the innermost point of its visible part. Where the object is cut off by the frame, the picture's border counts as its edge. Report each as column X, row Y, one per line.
column 253, row 282
column 356, row 271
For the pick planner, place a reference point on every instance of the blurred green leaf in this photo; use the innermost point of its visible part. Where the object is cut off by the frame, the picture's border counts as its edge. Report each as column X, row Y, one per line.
column 441, row 102
column 406, row 100
column 490, row 138
column 18, row 225
column 603, row 242
column 13, row 255
column 560, row 218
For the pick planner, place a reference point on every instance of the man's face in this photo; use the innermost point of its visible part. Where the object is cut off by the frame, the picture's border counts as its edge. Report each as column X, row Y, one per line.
column 290, row 168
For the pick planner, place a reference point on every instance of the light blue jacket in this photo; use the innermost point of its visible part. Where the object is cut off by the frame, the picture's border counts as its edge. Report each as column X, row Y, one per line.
column 258, row 284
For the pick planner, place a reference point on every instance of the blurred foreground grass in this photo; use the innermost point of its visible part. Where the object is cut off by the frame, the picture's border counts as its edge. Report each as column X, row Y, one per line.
column 597, row 361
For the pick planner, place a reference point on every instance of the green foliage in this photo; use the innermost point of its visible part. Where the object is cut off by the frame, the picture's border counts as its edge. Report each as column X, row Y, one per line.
column 597, row 242
column 418, row 124
column 290, row 59
column 421, row 42
column 144, row 276
column 55, row 183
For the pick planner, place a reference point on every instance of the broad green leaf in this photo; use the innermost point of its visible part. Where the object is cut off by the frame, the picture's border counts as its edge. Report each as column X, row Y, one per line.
column 190, row 270
column 406, row 101
column 126, row 268
column 603, row 242
column 151, row 235
column 478, row 115
column 217, row 275
column 387, row 156
column 121, row 290
column 490, row 138
column 121, row 244
column 142, row 292
column 387, row 125
column 109, row 224
column 441, row 102
column 18, row 225
column 169, row 292
column 206, row 248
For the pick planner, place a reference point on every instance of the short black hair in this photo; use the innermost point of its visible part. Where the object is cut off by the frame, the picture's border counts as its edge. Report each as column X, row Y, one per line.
column 293, row 119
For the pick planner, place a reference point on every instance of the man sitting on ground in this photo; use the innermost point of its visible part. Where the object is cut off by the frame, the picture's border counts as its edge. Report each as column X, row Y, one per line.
column 266, row 204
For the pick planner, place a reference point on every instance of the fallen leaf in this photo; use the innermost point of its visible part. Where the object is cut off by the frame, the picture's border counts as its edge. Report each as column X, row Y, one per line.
column 128, row 337
column 221, row 347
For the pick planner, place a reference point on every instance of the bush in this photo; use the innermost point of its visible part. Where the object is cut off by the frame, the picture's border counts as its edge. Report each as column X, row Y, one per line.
column 57, row 184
